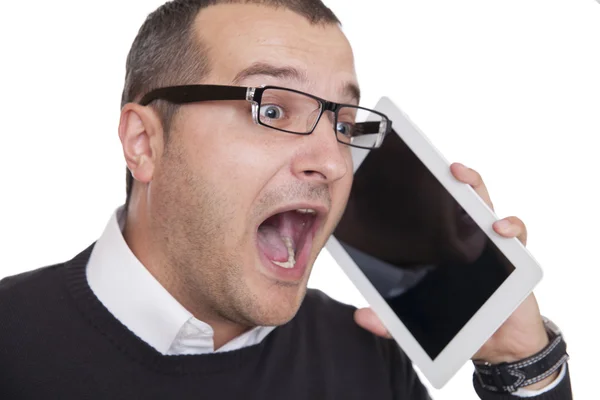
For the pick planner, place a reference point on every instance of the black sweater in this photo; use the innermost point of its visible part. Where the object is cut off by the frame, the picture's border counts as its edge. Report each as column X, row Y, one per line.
column 57, row 341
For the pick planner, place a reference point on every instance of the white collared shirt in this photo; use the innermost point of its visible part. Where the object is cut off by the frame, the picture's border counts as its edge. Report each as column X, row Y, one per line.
column 144, row 306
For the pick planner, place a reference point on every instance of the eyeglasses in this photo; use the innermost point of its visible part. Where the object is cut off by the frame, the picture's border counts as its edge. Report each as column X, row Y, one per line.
column 288, row 110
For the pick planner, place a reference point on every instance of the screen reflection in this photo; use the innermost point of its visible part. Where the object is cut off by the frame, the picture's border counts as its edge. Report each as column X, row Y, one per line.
column 427, row 258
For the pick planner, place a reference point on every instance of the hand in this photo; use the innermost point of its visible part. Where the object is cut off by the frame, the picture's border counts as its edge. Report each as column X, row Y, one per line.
column 523, row 333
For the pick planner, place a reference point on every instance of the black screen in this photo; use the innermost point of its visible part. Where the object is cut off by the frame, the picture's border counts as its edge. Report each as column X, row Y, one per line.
column 427, row 258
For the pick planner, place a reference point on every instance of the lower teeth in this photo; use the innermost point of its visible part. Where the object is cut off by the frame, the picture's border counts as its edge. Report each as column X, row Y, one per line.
column 291, row 260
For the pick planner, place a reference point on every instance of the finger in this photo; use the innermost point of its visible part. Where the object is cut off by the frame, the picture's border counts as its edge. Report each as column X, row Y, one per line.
column 512, row 227
column 366, row 318
column 473, row 178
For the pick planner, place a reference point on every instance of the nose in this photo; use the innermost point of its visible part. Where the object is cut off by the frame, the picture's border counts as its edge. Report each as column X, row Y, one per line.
column 321, row 158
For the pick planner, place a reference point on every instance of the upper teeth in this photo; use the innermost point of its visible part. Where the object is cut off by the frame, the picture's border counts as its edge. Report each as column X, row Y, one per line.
column 306, row 211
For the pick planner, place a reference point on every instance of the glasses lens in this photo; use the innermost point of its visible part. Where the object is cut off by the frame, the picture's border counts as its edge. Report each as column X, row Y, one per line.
column 360, row 127
column 288, row 111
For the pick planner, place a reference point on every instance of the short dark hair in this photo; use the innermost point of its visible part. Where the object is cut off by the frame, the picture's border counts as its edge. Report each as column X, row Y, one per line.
column 166, row 52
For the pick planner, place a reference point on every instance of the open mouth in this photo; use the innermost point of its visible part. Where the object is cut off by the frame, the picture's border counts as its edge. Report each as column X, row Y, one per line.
column 285, row 236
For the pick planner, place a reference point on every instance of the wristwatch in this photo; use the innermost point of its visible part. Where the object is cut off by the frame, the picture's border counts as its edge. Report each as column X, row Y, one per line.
column 509, row 377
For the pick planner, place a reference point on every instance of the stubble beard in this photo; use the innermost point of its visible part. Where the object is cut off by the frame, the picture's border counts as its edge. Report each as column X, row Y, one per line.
column 203, row 266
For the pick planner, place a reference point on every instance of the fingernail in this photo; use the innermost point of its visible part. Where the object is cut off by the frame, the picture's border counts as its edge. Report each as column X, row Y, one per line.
column 503, row 225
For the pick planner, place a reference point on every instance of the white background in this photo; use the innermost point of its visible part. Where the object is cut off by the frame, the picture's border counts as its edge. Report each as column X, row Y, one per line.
column 509, row 88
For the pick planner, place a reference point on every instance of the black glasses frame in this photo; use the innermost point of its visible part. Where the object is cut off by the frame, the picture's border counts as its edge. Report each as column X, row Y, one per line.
column 185, row 94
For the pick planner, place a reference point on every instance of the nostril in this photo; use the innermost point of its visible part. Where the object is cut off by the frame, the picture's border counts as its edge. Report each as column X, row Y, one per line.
column 314, row 175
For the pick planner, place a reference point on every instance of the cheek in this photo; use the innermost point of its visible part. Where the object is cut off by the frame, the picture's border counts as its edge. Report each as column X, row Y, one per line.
column 233, row 156
column 340, row 200
column 348, row 179
column 220, row 147
column 241, row 169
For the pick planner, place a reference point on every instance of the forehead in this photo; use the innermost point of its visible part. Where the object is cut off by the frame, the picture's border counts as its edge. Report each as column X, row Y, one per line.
column 237, row 36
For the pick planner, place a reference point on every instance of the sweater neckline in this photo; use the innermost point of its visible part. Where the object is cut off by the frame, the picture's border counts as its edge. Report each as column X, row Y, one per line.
column 134, row 348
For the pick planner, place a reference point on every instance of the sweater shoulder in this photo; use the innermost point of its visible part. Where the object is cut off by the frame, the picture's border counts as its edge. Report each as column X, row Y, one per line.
column 328, row 319
column 328, row 326
column 29, row 291
column 30, row 303
column 42, row 283
column 41, row 291
column 323, row 315
column 29, row 282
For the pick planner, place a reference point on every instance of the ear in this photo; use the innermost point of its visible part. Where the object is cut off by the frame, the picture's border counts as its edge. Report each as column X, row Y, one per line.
column 141, row 134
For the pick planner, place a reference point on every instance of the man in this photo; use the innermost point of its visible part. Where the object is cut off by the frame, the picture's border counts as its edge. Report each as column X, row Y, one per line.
column 197, row 288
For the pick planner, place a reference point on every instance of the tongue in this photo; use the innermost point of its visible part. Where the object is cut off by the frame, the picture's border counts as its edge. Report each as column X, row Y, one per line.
column 271, row 243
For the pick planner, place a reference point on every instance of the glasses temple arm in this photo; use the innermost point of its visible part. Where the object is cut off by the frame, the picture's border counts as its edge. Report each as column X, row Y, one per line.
column 194, row 93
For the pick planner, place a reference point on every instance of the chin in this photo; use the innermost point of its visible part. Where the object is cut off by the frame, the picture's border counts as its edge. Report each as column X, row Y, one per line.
column 276, row 304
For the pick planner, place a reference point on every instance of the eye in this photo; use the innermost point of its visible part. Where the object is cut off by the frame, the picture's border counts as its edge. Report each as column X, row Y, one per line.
column 271, row 112
column 344, row 128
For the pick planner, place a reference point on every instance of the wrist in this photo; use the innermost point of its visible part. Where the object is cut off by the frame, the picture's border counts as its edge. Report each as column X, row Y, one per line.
column 532, row 372
column 521, row 344
column 535, row 343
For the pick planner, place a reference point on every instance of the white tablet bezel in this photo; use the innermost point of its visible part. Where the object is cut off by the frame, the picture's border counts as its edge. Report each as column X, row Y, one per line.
column 499, row 306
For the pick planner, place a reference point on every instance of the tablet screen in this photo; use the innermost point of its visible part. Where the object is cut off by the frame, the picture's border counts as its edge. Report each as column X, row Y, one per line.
column 426, row 257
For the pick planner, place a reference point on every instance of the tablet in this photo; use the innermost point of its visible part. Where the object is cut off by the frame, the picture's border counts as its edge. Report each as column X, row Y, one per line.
column 420, row 247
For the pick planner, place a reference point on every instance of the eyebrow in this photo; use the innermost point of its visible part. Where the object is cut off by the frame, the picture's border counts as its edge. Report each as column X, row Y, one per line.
column 290, row 73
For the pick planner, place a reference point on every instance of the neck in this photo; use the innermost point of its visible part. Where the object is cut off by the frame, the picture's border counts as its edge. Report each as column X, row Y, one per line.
column 225, row 333
column 149, row 252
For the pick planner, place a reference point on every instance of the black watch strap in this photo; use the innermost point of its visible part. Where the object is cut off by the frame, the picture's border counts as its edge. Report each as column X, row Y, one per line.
column 509, row 377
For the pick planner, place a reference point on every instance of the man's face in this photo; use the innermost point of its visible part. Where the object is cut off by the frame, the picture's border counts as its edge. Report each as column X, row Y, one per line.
column 225, row 193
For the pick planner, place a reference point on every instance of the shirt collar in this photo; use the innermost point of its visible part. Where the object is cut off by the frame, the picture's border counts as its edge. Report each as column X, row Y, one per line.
column 130, row 292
